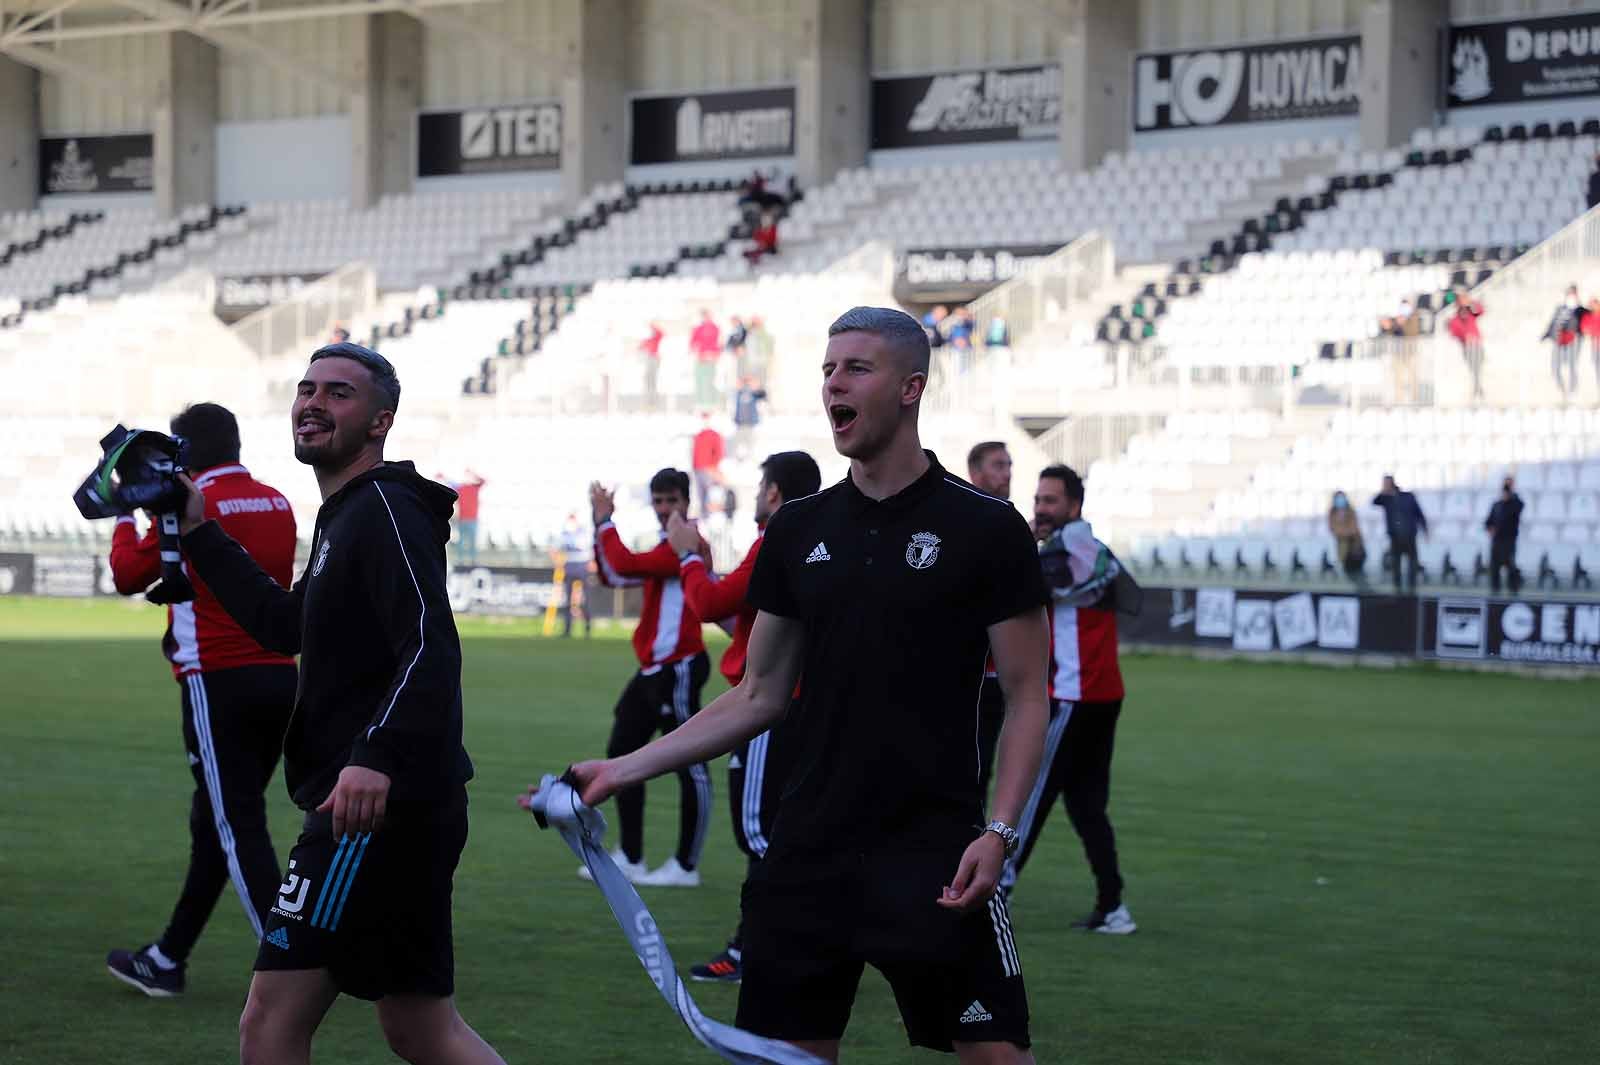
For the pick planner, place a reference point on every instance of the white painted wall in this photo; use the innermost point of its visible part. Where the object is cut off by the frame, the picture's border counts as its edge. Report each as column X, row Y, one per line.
column 460, row 70
column 914, row 36
column 67, row 106
column 1249, row 133
column 1171, row 24
column 777, row 169
column 1462, row 10
column 522, row 179
column 284, row 159
column 674, row 46
column 255, row 90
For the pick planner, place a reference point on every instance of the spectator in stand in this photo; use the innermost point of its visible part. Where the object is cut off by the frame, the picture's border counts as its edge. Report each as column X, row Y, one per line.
column 1589, row 328
column 706, row 461
column 1404, row 519
column 1464, row 327
column 466, row 516
column 1403, row 328
column 961, row 329
column 746, row 415
column 998, row 334
column 1345, row 528
column 1563, row 331
column 933, row 323
column 1594, row 184
column 650, row 348
column 1502, row 525
column 577, row 561
column 758, row 353
column 764, row 238
column 339, row 335
column 706, row 345
column 737, row 337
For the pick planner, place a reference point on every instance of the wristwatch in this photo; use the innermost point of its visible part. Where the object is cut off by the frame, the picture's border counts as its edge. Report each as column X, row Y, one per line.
column 1007, row 834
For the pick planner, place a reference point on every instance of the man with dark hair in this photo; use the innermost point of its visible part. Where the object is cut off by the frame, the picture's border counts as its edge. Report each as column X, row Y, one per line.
column 236, row 701
column 989, row 470
column 1502, row 525
column 1404, row 518
column 665, row 692
column 883, row 591
column 373, row 753
column 1085, row 695
column 755, row 771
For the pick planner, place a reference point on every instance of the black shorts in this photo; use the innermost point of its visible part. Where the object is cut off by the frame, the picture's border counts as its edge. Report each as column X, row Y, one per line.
column 811, row 926
column 374, row 909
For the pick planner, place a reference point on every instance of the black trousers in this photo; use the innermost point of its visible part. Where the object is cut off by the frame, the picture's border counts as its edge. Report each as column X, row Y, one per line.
column 233, row 725
column 991, row 715
column 1404, row 547
column 756, row 773
column 658, row 703
column 1503, row 555
column 1077, row 766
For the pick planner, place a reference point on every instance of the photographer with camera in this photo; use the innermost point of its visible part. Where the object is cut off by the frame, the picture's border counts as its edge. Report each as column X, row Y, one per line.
column 236, row 696
column 373, row 754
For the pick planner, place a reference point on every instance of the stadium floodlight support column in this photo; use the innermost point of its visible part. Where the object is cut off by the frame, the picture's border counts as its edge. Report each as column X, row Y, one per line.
column 184, row 123
column 1098, row 39
column 387, row 64
column 594, row 101
column 832, row 97
column 19, row 136
column 1399, row 69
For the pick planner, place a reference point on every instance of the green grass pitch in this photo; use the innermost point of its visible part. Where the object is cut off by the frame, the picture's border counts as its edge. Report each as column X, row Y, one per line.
column 1328, row 866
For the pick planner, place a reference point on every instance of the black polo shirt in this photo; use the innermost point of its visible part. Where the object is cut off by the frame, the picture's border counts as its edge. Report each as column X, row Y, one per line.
column 896, row 596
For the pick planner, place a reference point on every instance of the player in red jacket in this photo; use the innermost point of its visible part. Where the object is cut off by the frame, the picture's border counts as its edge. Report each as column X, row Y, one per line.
column 237, row 698
column 755, row 771
column 665, row 693
column 1085, row 695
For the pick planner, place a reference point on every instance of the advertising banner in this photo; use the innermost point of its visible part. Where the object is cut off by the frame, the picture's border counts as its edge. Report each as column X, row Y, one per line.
column 1523, row 60
column 121, row 163
column 489, row 140
column 967, row 107
column 1272, row 82
column 1264, row 621
column 16, row 574
column 514, row 591
column 1538, row 631
column 241, row 296
column 687, row 128
column 926, row 275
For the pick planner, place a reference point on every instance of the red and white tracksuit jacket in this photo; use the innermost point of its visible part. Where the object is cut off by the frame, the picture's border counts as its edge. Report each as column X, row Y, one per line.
column 669, row 629
column 714, row 600
column 1083, row 634
column 201, row 635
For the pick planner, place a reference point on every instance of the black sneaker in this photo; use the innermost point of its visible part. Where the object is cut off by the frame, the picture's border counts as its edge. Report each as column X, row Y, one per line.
column 723, row 969
column 137, row 969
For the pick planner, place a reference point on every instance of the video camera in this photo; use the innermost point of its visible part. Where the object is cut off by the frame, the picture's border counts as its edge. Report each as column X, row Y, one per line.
column 138, row 470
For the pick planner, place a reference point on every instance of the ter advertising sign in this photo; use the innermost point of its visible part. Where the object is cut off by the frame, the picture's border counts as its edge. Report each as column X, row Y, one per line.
column 1528, row 59
column 489, row 140
column 967, row 107
column 1273, row 82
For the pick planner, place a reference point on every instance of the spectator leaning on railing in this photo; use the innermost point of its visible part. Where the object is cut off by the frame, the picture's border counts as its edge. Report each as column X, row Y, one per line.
column 1464, row 327
column 1563, row 331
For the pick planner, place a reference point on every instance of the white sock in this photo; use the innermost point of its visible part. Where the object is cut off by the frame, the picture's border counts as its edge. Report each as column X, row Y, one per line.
column 735, row 954
column 162, row 961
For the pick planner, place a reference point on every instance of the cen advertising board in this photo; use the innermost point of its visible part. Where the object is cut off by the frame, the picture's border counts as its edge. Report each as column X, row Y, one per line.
column 1552, row 631
column 995, row 104
column 1523, row 60
column 1274, row 82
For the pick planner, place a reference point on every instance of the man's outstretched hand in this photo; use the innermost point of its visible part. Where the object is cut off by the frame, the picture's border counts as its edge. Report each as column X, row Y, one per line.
column 595, row 782
column 977, row 874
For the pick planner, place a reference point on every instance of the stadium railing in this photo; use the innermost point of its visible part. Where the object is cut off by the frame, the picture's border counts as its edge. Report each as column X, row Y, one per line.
column 311, row 313
column 1045, row 289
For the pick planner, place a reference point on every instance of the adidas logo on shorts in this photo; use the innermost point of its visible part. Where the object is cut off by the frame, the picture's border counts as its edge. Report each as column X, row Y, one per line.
column 819, row 553
column 976, row 1014
column 279, row 937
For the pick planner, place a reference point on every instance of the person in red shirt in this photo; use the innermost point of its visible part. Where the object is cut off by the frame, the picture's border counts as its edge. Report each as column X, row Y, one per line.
column 708, row 451
column 1086, row 695
column 765, row 240
column 467, row 496
column 706, row 345
column 755, row 773
column 236, row 696
column 1464, row 327
column 650, row 348
column 665, row 692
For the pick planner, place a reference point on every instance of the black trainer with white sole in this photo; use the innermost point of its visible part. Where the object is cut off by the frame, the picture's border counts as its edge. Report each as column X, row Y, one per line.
column 137, row 969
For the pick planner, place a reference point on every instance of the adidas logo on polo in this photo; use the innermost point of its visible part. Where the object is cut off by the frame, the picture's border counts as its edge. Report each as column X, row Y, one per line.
column 819, row 553
column 279, row 937
column 976, row 1014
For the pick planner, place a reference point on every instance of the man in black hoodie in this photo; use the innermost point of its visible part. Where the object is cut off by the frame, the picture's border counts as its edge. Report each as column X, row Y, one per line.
column 373, row 753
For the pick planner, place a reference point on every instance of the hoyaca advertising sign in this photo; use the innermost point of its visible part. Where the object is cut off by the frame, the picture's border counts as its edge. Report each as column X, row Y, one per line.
column 1272, row 82
column 489, row 140
column 927, row 275
column 1529, row 59
column 742, row 124
column 78, row 165
column 967, row 107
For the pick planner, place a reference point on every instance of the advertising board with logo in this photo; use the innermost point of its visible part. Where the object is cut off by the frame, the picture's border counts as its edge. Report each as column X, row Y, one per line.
column 740, row 124
column 925, row 275
column 489, row 140
column 1523, row 60
column 1560, row 632
column 241, row 296
column 1263, row 621
column 1275, row 82
column 124, row 162
column 967, row 107
column 514, row 591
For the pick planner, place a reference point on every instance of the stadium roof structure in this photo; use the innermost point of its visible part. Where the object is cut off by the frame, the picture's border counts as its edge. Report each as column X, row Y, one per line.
column 29, row 29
